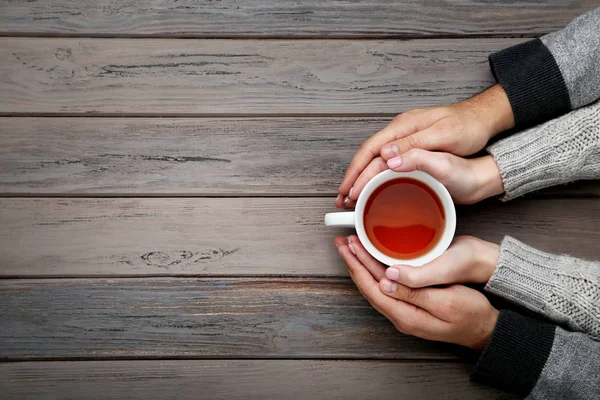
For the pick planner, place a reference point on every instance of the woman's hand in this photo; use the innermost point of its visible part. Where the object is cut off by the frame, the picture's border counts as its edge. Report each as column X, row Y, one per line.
column 467, row 180
column 455, row 314
column 467, row 260
column 461, row 129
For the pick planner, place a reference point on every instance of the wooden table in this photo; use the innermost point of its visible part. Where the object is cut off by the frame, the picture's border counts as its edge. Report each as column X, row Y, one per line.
column 164, row 171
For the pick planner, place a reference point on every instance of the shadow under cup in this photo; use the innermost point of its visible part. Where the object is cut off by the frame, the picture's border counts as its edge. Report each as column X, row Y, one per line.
column 402, row 218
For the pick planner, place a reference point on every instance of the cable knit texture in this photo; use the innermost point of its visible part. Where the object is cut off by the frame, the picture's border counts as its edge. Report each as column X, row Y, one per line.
column 564, row 289
column 576, row 50
column 560, row 151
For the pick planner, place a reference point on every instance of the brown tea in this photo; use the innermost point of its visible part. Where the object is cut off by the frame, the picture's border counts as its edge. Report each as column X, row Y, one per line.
column 404, row 218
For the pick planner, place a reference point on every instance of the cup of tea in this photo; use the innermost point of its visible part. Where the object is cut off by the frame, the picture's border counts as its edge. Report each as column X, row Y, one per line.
column 401, row 218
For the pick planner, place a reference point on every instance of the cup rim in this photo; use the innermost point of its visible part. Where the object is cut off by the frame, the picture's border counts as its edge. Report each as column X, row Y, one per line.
column 439, row 189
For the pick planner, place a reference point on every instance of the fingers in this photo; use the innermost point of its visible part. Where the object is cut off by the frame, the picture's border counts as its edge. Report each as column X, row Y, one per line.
column 435, row 164
column 403, row 125
column 375, row 267
column 363, row 279
column 468, row 259
column 420, row 140
column 441, row 303
column 407, row 318
column 437, row 132
column 376, row 166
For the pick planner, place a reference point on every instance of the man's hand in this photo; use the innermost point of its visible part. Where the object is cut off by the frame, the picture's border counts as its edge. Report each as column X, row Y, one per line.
column 455, row 314
column 461, row 129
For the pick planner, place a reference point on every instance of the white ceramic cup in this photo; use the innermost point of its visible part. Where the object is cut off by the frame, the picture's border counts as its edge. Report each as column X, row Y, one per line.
column 354, row 219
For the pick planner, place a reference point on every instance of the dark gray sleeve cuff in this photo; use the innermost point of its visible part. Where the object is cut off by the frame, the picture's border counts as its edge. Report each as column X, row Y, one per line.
column 532, row 81
column 516, row 353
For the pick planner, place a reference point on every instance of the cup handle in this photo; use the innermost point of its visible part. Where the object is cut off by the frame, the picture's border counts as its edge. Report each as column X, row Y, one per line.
column 340, row 219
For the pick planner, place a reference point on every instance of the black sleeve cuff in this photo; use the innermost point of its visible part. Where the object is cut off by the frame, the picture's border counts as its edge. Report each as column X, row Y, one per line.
column 516, row 353
column 532, row 81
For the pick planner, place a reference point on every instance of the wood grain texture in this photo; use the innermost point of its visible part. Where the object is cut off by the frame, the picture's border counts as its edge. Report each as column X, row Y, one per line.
column 181, row 317
column 181, row 156
column 240, row 236
column 242, row 77
column 279, row 18
column 241, row 379
column 160, row 156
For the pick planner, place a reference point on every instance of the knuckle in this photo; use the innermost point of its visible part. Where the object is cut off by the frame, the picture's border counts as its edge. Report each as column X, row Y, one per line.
column 444, row 163
column 412, row 295
column 412, row 142
column 399, row 117
column 411, row 278
column 405, row 114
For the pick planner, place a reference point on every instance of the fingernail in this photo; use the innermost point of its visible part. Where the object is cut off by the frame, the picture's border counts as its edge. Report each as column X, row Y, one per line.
column 350, row 192
column 350, row 245
column 388, row 287
column 394, row 162
column 338, row 198
column 351, row 248
column 392, row 273
column 390, row 151
column 346, row 200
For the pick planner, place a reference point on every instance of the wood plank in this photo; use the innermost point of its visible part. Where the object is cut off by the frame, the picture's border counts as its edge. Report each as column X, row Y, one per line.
column 181, row 156
column 279, row 18
column 241, row 77
column 183, row 317
column 239, row 236
column 241, row 379
column 203, row 156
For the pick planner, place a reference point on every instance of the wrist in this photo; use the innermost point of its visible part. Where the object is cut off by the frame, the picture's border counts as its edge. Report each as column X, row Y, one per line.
column 486, row 331
column 488, row 178
column 490, row 111
column 487, row 254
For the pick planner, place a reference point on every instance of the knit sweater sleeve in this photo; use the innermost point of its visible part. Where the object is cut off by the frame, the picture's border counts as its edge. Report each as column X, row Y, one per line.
column 539, row 360
column 563, row 289
column 547, row 77
column 560, row 151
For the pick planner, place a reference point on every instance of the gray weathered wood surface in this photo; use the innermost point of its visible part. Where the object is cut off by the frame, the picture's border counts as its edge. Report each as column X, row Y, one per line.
column 279, row 18
column 239, row 236
column 241, row 379
column 185, row 156
column 161, row 76
column 179, row 317
column 190, row 227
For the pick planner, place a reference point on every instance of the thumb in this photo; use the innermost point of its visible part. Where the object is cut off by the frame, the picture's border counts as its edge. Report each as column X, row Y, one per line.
column 445, row 269
column 435, row 164
column 468, row 259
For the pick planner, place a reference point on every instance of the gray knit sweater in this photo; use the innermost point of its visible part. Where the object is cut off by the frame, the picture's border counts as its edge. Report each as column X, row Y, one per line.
column 562, row 150
column 544, row 79
column 540, row 360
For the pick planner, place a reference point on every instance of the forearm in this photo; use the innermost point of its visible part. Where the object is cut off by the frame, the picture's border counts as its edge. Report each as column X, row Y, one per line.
column 563, row 289
column 539, row 360
column 547, row 77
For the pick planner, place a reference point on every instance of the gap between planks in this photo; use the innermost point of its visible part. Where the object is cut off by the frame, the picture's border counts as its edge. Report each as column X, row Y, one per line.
column 193, row 115
column 306, row 37
column 415, row 360
column 543, row 194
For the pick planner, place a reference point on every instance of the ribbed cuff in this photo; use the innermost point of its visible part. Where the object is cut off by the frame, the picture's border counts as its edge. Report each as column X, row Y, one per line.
column 516, row 353
column 526, row 161
column 523, row 275
column 532, row 81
